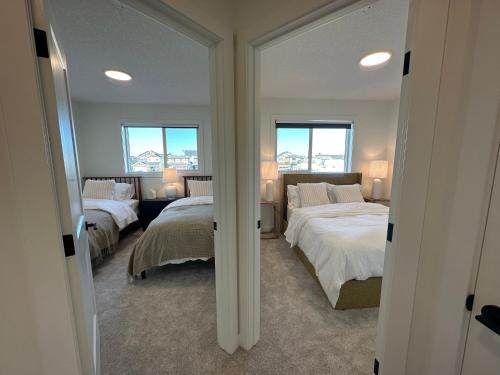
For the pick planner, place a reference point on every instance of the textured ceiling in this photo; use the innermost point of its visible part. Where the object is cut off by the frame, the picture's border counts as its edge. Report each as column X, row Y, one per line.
column 95, row 35
column 324, row 63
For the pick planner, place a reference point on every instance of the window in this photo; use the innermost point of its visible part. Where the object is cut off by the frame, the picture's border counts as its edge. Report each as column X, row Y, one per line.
column 150, row 149
column 313, row 146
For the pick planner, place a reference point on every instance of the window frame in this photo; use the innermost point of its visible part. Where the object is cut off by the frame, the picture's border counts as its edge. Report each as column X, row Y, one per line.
column 317, row 124
column 163, row 126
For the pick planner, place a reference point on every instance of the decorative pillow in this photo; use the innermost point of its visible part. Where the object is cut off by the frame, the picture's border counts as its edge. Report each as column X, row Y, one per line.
column 123, row 191
column 313, row 194
column 99, row 189
column 292, row 193
column 348, row 193
column 200, row 188
column 331, row 193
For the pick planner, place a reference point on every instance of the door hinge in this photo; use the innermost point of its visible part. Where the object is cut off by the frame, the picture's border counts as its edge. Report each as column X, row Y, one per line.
column 258, row 224
column 90, row 225
column 41, row 44
column 215, row 225
column 390, row 230
column 406, row 64
column 469, row 302
column 69, row 245
column 375, row 366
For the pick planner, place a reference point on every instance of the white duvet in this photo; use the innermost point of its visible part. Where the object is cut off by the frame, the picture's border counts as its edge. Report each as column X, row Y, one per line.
column 343, row 241
column 121, row 212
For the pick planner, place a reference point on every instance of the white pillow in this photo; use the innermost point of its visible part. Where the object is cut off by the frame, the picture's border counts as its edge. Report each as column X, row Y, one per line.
column 313, row 194
column 348, row 193
column 123, row 191
column 200, row 188
column 292, row 193
column 331, row 193
column 99, row 189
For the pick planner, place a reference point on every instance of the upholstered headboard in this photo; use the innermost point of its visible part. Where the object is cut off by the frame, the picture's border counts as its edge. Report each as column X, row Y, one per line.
column 331, row 178
column 197, row 178
column 135, row 181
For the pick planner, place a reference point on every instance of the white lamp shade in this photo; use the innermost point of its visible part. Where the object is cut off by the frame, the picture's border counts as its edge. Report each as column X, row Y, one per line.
column 169, row 175
column 378, row 169
column 269, row 170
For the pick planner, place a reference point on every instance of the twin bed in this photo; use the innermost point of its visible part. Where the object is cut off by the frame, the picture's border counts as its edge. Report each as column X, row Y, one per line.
column 183, row 231
column 342, row 245
column 110, row 217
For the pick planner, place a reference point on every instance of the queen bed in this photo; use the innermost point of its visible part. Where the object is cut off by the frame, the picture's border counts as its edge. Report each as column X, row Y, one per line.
column 182, row 232
column 342, row 244
column 110, row 219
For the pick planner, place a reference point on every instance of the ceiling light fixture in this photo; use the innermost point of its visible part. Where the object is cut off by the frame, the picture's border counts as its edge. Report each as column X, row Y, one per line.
column 118, row 75
column 375, row 59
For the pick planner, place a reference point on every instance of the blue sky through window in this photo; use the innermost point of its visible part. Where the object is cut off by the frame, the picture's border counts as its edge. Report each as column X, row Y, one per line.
column 295, row 141
column 142, row 139
column 180, row 139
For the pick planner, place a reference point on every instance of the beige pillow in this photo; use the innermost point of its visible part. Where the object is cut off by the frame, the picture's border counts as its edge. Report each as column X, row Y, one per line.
column 348, row 193
column 99, row 189
column 313, row 194
column 293, row 196
column 200, row 188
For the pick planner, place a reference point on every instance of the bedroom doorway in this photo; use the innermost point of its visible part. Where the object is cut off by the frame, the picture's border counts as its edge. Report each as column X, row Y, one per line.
column 420, row 263
column 336, row 127
column 333, row 131
column 194, row 130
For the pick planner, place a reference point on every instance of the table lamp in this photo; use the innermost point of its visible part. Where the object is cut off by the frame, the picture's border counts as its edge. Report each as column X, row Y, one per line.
column 170, row 177
column 378, row 170
column 269, row 172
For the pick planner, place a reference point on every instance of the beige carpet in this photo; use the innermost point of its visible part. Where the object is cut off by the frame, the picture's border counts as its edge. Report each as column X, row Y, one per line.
column 166, row 323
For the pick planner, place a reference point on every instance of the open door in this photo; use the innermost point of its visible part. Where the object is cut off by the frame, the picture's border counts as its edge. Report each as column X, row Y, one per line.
column 52, row 68
column 482, row 351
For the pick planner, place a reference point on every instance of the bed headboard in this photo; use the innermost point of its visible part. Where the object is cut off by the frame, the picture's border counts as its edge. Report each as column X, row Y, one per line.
column 331, row 178
column 135, row 181
column 197, row 178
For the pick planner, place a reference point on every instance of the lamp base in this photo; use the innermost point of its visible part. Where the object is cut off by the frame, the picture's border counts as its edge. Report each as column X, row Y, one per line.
column 269, row 191
column 377, row 189
column 171, row 191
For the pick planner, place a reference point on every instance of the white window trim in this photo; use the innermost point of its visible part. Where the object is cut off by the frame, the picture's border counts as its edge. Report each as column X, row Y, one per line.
column 165, row 124
column 307, row 119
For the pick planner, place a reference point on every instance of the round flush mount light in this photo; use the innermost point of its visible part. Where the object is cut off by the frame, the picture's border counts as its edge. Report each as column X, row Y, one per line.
column 375, row 60
column 117, row 75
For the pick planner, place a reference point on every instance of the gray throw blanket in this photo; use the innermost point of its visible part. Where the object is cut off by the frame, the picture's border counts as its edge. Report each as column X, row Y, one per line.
column 103, row 241
column 179, row 233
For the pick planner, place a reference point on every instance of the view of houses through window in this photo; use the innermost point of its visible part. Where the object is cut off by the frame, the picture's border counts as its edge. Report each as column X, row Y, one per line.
column 150, row 149
column 313, row 147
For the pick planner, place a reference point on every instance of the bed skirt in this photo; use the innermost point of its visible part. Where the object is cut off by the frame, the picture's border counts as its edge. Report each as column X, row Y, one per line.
column 354, row 294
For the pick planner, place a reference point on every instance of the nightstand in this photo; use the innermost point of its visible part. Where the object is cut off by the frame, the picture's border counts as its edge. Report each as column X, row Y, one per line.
column 151, row 208
column 385, row 202
column 275, row 233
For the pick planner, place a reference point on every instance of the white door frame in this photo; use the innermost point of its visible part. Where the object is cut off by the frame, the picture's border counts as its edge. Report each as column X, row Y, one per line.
column 39, row 314
column 220, row 44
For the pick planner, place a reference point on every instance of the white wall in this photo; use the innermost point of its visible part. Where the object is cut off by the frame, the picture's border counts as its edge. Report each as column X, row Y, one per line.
column 99, row 137
column 374, row 135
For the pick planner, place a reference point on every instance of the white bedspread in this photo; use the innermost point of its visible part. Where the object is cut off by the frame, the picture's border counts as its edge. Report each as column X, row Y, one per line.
column 121, row 212
column 343, row 241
